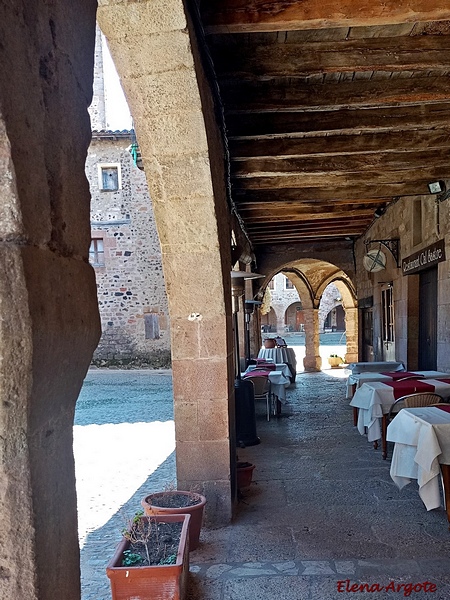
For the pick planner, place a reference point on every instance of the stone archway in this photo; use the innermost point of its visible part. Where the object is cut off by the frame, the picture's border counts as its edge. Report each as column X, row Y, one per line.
column 310, row 277
column 181, row 148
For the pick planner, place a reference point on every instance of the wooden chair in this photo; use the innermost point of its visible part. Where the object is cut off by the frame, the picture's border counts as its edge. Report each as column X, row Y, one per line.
column 408, row 401
column 261, row 386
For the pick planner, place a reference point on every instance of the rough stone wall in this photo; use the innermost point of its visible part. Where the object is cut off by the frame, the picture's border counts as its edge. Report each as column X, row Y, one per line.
column 97, row 109
column 130, row 285
column 49, row 323
column 398, row 222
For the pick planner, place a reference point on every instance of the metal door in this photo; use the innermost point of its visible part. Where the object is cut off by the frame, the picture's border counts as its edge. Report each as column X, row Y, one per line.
column 428, row 319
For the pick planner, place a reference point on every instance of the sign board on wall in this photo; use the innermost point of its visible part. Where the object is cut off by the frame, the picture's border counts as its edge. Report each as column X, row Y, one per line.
column 424, row 259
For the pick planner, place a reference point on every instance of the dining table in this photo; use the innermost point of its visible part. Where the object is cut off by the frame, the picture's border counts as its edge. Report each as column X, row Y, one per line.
column 422, row 452
column 354, row 381
column 281, row 355
column 374, row 401
column 375, row 366
column 279, row 378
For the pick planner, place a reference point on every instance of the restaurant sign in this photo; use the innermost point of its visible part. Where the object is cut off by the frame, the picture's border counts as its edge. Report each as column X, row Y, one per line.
column 424, row 259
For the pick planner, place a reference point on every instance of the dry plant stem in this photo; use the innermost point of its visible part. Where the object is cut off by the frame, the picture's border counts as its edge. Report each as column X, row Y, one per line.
column 139, row 533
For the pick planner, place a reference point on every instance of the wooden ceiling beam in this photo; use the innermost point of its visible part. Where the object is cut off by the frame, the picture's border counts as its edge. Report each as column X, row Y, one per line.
column 338, row 179
column 301, row 240
column 281, row 216
column 308, row 225
column 399, row 118
column 416, row 53
column 267, row 209
column 243, row 96
column 268, row 237
column 237, row 16
column 353, row 163
column 389, row 141
column 293, row 198
column 354, row 190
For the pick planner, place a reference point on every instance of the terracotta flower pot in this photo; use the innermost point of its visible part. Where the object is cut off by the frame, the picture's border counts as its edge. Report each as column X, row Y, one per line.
column 162, row 503
column 164, row 582
column 244, row 471
column 269, row 343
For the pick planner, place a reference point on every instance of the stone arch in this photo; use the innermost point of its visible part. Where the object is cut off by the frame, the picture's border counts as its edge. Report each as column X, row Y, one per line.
column 181, row 147
column 310, row 277
column 302, row 286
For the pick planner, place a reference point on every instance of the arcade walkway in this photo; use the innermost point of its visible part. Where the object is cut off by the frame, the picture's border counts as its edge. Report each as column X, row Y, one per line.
column 322, row 510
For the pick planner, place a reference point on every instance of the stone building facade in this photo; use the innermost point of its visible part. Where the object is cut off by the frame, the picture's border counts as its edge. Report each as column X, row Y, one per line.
column 125, row 250
column 126, row 256
column 404, row 308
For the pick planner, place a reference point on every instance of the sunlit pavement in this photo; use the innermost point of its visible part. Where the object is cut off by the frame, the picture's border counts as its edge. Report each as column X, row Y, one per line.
column 124, row 444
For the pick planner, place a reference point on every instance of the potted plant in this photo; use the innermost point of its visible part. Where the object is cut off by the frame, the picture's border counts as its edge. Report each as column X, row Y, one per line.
column 335, row 361
column 176, row 502
column 244, row 473
column 152, row 560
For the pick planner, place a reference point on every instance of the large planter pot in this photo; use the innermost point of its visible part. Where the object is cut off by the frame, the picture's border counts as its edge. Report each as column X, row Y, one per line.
column 165, row 503
column 270, row 343
column 156, row 582
column 244, row 473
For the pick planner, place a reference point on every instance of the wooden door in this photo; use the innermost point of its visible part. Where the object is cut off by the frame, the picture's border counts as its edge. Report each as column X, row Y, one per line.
column 428, row 320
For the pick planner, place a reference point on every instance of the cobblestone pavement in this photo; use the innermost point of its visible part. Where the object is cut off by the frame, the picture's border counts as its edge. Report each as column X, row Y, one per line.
column 321, row 516
column 124, row 443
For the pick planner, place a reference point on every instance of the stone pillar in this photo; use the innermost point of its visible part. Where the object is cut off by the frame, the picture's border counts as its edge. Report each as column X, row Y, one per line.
column 49, row 316
column 280, row 323
column 155, row 53
column 351, row 333
column 312, row 360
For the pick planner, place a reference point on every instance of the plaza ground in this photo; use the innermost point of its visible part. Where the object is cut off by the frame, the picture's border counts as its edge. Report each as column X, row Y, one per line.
column 322, row 508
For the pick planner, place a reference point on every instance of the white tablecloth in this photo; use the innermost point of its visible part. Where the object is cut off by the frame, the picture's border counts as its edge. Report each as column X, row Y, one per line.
column 281, row 355
column 359, row 378
column 377, row 367
column 376, row 398
column 422, row 441
column 279, row 379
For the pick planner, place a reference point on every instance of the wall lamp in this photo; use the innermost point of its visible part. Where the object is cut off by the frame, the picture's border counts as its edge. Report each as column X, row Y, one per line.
column 440, row 189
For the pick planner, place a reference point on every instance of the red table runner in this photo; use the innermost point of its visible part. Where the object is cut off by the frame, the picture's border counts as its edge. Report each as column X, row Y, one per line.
column 400, row 374
column 443, row 380
column 411, row 386
column 446, row 408
column 257, row 373
column 270, row 366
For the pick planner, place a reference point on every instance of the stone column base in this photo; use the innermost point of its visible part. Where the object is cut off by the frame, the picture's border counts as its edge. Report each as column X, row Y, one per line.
column 312, row 363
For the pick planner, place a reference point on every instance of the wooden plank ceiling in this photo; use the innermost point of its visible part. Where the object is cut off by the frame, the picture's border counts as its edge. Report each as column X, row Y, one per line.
column 332, row 109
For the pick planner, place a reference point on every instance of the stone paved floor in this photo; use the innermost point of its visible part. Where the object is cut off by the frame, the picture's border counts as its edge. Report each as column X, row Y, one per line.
column 321, row 518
